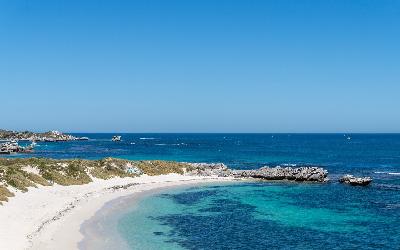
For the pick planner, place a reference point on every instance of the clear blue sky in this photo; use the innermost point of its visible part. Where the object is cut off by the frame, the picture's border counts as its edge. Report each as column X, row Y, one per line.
column 200, row 66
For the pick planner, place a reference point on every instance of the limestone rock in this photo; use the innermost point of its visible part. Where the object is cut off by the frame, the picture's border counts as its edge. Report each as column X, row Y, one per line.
column 311, row 174
column 355, row 181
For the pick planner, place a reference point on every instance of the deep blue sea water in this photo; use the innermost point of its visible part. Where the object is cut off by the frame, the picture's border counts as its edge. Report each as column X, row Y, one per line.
column 262, row 215
column 335, row 151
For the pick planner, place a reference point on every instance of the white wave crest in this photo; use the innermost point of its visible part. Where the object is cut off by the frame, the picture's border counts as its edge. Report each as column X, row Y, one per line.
column 391, row 173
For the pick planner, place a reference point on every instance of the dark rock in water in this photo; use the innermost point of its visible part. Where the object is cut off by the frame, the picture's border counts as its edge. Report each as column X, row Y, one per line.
column 311, row 174
column 355, row 181
column 116, row 138
column 14, row 147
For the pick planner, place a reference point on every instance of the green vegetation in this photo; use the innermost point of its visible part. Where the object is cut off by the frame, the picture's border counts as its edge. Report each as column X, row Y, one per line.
column 109, row 167
column 24, row 173
column 162, row 167
column 4, row 194
column 38, row 179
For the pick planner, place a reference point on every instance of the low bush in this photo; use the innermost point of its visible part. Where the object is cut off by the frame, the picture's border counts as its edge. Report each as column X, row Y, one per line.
column 4, row 194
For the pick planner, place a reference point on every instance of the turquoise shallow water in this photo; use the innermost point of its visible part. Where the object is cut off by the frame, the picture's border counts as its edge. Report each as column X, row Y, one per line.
column 262, row 215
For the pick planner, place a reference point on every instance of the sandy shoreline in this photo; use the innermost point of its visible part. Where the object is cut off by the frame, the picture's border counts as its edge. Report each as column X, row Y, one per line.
column 51, row 217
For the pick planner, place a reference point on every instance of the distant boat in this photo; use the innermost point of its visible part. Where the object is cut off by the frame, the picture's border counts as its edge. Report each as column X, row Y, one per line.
column 84, row 138
column 116, row 138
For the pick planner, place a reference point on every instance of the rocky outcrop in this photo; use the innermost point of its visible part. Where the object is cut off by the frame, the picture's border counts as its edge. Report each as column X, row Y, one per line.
column 9, row 147
column 14, row 147
column 51, row 136
column 209, row 169
column 310, row 174
column 355, row 181
column 116, row 138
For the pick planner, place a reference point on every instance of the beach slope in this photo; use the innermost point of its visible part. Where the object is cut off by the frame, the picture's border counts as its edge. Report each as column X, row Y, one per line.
column 49, row 217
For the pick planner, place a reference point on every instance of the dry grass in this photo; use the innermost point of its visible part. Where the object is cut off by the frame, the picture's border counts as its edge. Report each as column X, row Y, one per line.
column 4, row 194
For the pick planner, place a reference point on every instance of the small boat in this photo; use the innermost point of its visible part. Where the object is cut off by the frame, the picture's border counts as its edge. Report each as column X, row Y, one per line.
column 116, row 138
column 84, row 138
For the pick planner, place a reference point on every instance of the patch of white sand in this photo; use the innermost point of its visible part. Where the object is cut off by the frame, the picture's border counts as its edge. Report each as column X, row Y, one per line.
column 50, row 217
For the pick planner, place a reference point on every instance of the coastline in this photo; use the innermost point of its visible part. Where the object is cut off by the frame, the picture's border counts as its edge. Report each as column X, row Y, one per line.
column 100, row 230
column 69, row 192
column 51, row 217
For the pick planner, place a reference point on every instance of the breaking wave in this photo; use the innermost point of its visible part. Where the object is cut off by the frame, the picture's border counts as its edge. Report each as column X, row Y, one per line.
column 390, row 173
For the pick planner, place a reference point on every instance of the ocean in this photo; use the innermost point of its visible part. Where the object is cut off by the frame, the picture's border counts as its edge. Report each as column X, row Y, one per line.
column 257, row 215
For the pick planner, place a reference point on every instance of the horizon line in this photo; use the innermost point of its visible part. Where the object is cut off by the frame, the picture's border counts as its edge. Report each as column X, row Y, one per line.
column 122, row 132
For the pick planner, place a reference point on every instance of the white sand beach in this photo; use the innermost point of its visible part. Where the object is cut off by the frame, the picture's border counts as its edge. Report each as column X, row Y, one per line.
column 51, row 217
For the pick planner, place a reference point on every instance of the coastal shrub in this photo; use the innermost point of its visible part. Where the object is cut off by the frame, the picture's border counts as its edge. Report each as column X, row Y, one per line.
column 64, row 172
column 65, row 180
column 12, row 173
column 76, row 171
column 109, row 167
column 161, row 167
column 104, row 173
column 38, row 179
column 4, row 194
column 100, row 173
column 15, row 177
